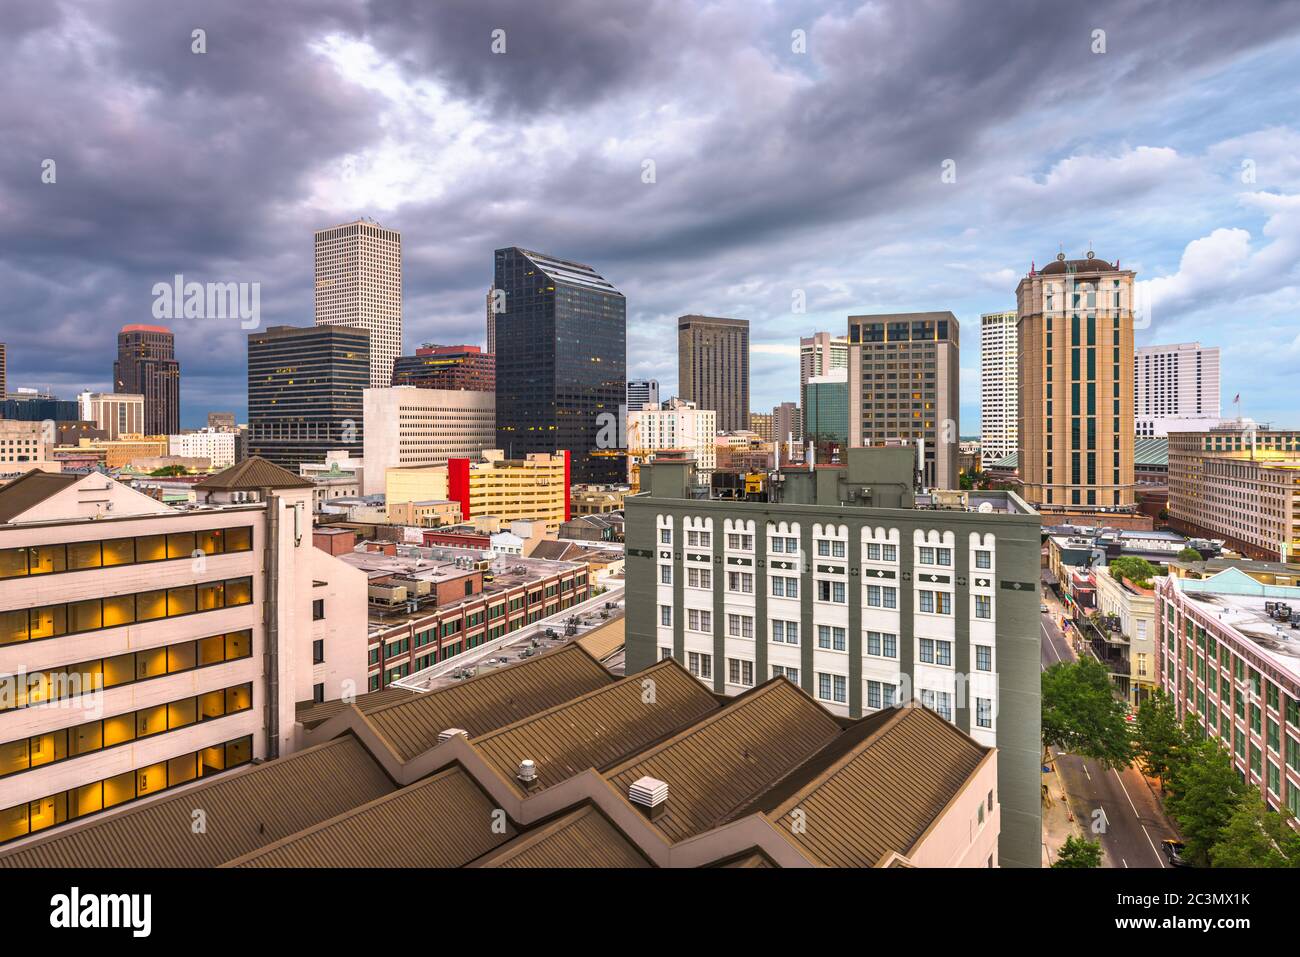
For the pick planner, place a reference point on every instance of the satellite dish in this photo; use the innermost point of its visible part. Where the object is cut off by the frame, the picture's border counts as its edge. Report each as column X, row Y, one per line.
column 986, row 507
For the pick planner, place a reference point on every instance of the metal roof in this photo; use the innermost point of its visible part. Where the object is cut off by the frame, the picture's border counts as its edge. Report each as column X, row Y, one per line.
column 581, row 838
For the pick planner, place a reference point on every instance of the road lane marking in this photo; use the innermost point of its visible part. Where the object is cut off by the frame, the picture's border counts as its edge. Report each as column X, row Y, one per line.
column 1138, row 818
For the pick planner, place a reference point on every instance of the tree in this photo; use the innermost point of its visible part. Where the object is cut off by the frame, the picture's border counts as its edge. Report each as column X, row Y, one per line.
column 1206, row 791
column 1136, row 570
column 966, row 481
column 1160, row 739
column 1256, row 837
column 1190, row 554
column 169, row 470
column 1078, row 852
column 1082, row 715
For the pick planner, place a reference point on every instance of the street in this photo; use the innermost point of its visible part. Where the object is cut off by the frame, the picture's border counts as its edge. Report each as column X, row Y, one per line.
column 1118, row 808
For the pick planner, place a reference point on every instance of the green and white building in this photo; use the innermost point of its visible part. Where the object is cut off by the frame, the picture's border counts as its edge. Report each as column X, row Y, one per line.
column 841, row 581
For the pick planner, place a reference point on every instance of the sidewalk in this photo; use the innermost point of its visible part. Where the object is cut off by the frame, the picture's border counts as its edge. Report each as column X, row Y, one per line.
column 1057, row 818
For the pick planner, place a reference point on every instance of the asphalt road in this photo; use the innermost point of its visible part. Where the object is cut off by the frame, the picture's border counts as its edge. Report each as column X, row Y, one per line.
column 1116, row 807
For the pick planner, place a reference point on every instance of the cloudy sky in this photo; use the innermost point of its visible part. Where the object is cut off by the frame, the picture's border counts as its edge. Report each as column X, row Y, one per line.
column 796, row 147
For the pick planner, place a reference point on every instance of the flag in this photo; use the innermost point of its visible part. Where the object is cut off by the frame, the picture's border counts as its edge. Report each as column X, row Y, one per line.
column 1236, row 398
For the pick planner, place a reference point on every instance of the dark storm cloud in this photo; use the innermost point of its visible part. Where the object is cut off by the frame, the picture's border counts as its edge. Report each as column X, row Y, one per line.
column 208, row 165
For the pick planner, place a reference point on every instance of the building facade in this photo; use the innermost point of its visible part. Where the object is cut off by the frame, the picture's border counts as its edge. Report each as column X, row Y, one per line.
column 146, row 365
column 1223, row 655
column 410, row 426
column 1173, row 383
column 305, row 389
column 1240, row 482
column 216, row 446
column 642, row 392
column 819, row 354
column 713, row 367
column 447, row 367
column 359, row 285
column 905, row 387
column 561, row 361
column 1075, row 419
column 838, row 583
column 678, row 425
column 826, row 412
column 170, row 645
column 999, row 386
column 787, row 421
column 115, row 413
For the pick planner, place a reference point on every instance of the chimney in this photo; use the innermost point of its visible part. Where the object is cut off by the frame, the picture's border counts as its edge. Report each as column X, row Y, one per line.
column 451, row 733
column 649, row 794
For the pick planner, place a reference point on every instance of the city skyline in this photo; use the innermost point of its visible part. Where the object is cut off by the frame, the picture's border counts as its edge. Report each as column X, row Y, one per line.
column 727, row 232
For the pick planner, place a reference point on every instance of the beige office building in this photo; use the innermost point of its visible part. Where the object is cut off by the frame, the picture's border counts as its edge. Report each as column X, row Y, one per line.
column 713, row 367
column 408, row 426
column 905, row 387
column 359, row 283
column 678, row 425
column 1239, row 482
column 1075, row 418
column 117, row 413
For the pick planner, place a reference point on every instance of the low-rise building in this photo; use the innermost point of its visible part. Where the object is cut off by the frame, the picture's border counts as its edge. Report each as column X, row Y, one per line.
column 596, row 499
column 535, row 487
column 216, row 446
column 431, row 514
column 1123, row 634
column 144, row 647
column 406, row 426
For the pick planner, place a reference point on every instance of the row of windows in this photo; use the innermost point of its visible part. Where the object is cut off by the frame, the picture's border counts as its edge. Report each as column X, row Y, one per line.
column 66, row 743
column 111, row 552
column 76, row 803
column 56, row 684
column 92, row 614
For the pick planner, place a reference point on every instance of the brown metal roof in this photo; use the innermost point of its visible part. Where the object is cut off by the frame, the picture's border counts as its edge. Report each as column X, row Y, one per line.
column 443, row 821
column 605, row 640
column 30, row 489
column 600, row 728
column 252, row 473
column 581, row 838
column 720, row 764
column 489, row 701
column 882, row 795
column 754, row 859
column 311, row 713
column 244, row 811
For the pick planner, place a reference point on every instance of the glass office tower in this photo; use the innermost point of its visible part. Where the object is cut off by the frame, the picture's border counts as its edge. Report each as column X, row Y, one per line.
column 561, row 362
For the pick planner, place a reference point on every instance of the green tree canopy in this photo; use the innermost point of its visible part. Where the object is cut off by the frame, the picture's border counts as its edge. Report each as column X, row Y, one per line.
column 168, row 470
column 1190, row 554
column 1256, row 837
column 1161, row 743
column 1078, row 852
column 1082, row 715
column 1206, row 792
column 1137, row 570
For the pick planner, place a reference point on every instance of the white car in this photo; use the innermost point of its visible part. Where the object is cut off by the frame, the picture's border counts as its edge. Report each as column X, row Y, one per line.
column 1043, row 608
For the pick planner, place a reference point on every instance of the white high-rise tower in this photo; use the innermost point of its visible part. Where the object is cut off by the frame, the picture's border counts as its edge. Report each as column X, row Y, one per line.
column 999, row 407
column 359, row 283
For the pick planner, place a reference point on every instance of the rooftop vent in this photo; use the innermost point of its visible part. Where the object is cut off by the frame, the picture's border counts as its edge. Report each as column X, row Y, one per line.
column 527, row 771
column 651, row 794
column 451, row 733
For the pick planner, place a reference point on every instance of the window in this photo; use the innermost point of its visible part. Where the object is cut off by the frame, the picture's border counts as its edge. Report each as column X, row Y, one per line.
column 983, row 658
column 318, row 693
column 832, row 688
column 740, row 626
column 700, row 664
column 882, row 596
column 697, row 539
column 699, row 577
column 830, row 591
column 665, row 654
column 790, row 674
column 939, row 702
column 785, row 587
column 882, row 644
column 936, row 652
column 741, row 582
column 318, row 651
column 666, row 615
column 935, row 602
column 738, row 542
column 786, row 632
column 788, row 546
column 984, row 712
column 665, row 574
column 983, row 559
column 983, row 606
column 699, row 620
column 829, row 548
column 740, row 672
column 665, row 536
column 318, row 609
column 107, row 553
column 831, row 638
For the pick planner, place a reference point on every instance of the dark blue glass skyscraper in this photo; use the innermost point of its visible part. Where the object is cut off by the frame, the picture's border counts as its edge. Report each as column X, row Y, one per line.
column 561, row 366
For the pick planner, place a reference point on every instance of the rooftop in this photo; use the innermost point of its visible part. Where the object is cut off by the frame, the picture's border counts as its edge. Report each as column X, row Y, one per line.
column 1238, row 601
column 252, row 474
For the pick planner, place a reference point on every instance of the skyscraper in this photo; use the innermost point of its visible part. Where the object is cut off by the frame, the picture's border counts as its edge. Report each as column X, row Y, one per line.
column 640, row 392
column 1175, row 382
column 561, row 362
column 1075, row 330
column 819, row 354
column 447, row 367
column 491, row 324
column 826, row 416
column 999, row 391
column 904, row 386
column 359, row 284
column 305, row 392
column 146, row 365
column 713, row 367
column 4, row 370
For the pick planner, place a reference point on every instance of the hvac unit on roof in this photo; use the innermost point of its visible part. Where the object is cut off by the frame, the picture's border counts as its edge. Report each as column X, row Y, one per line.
column 451, row 733
column 650, row 794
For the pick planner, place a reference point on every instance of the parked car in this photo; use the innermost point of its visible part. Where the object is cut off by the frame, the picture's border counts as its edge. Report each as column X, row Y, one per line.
column 1174, row 853
column 1043, row 608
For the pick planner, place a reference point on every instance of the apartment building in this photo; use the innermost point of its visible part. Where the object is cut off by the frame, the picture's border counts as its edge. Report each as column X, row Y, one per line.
column 144, row 647
column 1239, row 482
column 1227, row 653
column 679, row 424
column 834, row 580
column 115, row 413
column 999, row 386
column 23, row 445
column 216, row 446
column 407, row 426
column 904, row 386
column 1173, row 384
